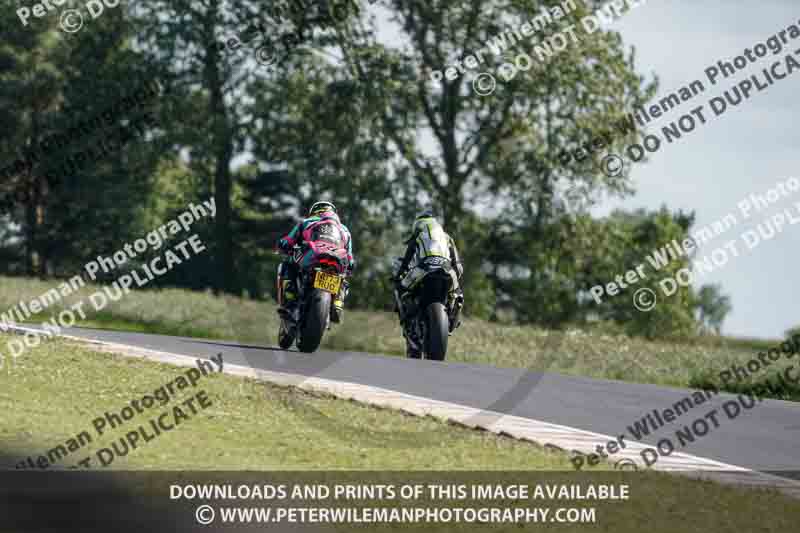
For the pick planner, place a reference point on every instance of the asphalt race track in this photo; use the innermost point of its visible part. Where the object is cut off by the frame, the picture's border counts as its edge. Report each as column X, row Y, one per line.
column 764, row 438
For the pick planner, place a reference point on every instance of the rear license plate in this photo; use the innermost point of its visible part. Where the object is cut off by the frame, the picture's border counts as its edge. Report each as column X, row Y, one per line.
column 327, row 282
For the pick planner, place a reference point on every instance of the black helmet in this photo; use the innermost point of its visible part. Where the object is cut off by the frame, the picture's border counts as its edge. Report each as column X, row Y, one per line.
column 320, row 207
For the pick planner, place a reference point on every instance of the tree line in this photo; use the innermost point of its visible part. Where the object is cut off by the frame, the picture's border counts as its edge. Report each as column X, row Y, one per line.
column 341, row 116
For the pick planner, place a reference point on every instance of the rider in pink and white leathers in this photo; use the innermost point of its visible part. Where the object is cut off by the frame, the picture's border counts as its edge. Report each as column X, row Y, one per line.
column 320, row 214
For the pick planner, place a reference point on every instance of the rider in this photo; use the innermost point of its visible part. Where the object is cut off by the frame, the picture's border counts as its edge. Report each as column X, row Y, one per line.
column 427, row 239
column 288, row 269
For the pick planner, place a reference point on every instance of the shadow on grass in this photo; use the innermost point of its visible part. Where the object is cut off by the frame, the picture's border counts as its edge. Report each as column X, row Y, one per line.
column 84, row 500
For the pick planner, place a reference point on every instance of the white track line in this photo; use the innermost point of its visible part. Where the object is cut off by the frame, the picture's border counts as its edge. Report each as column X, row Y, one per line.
column 543, row 433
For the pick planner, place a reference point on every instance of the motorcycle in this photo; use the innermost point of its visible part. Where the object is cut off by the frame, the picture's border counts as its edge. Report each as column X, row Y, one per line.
column 319, row 284
column 430, row 307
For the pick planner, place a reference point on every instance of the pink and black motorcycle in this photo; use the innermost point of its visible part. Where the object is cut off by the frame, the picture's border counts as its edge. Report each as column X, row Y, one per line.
column 321, row 286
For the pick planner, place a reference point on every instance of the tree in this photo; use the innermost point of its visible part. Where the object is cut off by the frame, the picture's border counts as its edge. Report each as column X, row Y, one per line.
column 311, row 127
column 31, row 86
column 185, row 41
column 501, row 149
column 712, row 307
column 63, row 95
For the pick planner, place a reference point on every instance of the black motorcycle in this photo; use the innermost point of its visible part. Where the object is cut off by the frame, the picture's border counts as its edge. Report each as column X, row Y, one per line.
column 429, row 310
column 318, row 285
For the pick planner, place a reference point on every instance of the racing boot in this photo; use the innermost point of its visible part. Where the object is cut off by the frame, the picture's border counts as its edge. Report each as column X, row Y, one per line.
column 338, row 311
column 455, row 318
column 413, row 350
column 288, row 300
column 338, row 304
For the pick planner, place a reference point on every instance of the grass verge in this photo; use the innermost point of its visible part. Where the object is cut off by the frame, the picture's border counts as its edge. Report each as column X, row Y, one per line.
column 58, row 388
column 591, row 353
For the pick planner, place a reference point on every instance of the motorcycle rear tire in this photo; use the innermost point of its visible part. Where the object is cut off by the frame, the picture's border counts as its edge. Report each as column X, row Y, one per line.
column 437, row 332
column 315, row 321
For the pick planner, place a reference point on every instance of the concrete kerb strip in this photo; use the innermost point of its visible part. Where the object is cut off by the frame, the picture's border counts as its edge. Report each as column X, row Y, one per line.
column 549, row 435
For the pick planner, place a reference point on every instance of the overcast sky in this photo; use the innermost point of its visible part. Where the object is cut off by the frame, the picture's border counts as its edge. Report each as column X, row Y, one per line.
column 747, row 150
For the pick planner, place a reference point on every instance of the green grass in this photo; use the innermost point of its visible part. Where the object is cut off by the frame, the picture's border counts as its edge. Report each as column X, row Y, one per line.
column 593, row 353
column 58, row 388
column 107, row 320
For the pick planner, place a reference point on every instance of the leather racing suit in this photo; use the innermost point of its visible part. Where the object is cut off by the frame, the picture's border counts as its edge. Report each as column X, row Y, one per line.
column 288, row 270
